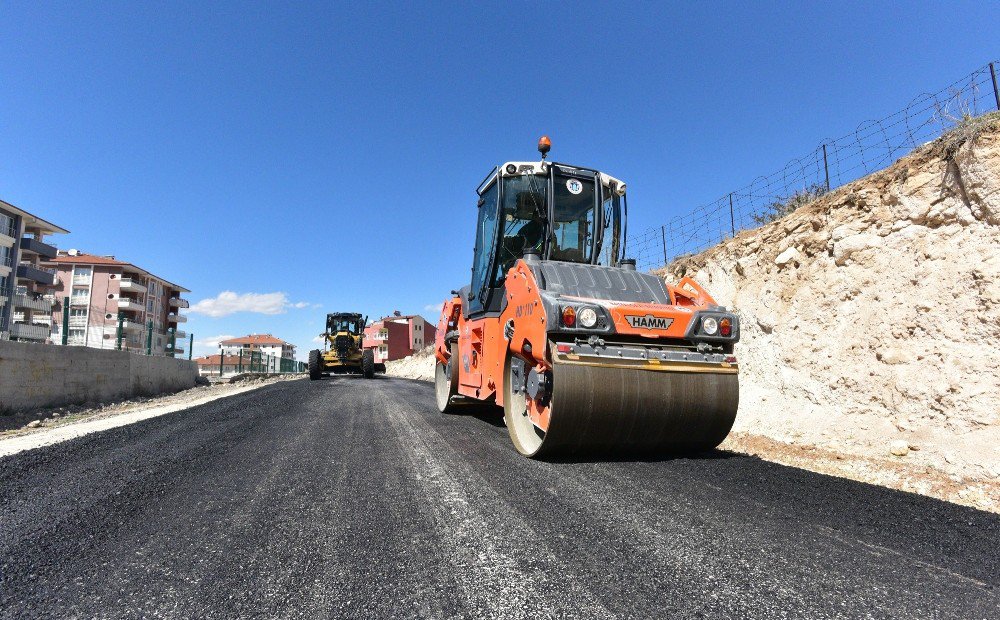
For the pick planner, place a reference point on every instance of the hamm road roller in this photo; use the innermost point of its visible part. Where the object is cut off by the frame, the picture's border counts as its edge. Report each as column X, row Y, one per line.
column 584, row 353
column 343, row 350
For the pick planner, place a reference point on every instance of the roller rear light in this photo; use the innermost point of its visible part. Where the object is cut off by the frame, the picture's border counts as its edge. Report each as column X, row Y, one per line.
column 725, row 327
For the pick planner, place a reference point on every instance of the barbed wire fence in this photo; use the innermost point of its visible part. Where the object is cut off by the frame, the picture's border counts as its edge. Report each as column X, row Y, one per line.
column 874, row 145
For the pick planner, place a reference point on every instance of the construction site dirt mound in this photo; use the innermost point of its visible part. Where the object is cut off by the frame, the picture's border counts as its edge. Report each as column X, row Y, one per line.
column 871, row 316
column 420, row 366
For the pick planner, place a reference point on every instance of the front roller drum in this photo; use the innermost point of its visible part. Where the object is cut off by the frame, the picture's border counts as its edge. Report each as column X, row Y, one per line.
column 629, row 411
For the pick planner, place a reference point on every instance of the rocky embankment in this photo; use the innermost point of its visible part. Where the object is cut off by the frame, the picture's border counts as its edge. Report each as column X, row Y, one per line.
column 871, row 318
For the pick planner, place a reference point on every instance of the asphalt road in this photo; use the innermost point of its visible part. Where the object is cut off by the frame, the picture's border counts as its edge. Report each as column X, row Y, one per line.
column 353, row 498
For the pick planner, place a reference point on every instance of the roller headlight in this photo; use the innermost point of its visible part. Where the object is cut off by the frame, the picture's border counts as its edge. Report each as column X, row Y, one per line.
column 587, row 317
column 709, row 325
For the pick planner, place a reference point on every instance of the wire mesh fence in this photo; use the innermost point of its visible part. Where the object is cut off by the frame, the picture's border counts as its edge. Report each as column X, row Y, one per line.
column 872, row 146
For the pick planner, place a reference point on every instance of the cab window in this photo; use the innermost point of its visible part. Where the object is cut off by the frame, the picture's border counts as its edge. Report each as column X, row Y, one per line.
column 522, row 221
column 486, row 229
column 575, row 224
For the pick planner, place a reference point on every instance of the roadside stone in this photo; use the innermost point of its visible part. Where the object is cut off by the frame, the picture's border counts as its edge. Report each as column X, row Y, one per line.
column 899, row 448
column 34, row 424
column 788, row 256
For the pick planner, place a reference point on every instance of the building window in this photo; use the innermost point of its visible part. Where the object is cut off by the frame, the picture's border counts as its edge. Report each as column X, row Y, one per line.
column 7, row 225
column 81, row 292
column 82, row 270
column 78, row 312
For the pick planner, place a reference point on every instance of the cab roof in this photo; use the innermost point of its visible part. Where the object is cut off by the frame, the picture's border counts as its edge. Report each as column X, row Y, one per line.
column 519, row 168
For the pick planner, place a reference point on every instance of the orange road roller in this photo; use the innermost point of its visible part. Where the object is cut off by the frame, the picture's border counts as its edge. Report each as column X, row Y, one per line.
column 584, row 353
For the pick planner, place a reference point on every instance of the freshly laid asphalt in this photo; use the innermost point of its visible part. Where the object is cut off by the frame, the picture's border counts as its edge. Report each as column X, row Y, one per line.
column 357, row 499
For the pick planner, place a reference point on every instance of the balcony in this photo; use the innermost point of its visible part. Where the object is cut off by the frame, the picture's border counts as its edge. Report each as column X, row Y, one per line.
column 41, row 276
column 81, row 279
column 180, row 334
column 132, row 286
column 177, row 318
column 32, row 302
column 31, row 245
column 79, row 300
column 177, row 350
column 177, row 302
column 77, row 321
column 29, row 332
column 130, row 305
column 131, row 326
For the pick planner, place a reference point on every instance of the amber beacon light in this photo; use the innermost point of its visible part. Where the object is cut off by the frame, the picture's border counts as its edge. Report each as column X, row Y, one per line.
column 544, row 144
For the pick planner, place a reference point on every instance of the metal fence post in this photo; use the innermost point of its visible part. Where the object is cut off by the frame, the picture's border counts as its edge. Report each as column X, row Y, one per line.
column 191, row 347
column 222, row 360
column 65, row 335
column 173, row 340
column 996, row 93
column 826, row 169
column 121, row 330
column 732, row 218
column 149, row 337
column 663, row 235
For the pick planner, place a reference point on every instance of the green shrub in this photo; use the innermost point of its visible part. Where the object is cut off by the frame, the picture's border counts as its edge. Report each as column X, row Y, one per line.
column 785, row 205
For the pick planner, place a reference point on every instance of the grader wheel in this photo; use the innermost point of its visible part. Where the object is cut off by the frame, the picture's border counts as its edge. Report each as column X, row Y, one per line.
column 315, row 365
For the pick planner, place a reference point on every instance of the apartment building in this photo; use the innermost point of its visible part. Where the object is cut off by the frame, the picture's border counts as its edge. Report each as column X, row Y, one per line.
column 209, row 365
column 394, row 337
column 105, row 293
column 263, row 343
column 25, row 286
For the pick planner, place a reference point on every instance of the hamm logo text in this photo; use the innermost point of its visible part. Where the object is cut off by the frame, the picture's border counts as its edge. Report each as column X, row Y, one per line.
column 648, row 322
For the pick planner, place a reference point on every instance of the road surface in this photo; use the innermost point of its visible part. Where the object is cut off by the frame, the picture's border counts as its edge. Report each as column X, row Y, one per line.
column 354, row 498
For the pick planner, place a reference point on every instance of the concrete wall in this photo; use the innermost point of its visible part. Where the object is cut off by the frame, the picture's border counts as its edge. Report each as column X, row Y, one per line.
column 36, row 375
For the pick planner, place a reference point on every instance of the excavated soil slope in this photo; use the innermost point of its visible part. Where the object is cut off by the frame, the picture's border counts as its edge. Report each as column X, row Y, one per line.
column 871, row 317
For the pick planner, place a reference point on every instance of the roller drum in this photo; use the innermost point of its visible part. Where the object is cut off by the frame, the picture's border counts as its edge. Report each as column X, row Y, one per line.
column 607, row 409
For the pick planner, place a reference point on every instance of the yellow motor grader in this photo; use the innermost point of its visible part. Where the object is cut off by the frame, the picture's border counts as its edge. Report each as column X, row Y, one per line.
column 343, row 348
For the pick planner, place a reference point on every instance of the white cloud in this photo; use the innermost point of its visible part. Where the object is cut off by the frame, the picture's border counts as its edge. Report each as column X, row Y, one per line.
column 434, row 308
column 212, row 341
column 210, row 345
column 229, row 302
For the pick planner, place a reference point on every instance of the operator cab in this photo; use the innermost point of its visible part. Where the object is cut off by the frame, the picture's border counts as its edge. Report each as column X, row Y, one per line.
column 350, row 322
column 560, row 212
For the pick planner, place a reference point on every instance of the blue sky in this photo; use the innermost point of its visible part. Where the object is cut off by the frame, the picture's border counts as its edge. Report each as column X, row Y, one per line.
column 321, row 157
